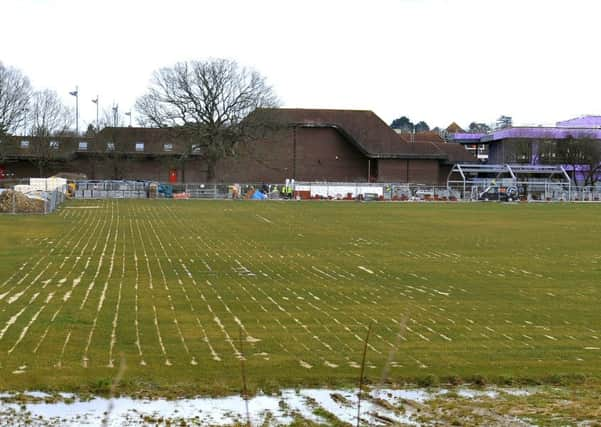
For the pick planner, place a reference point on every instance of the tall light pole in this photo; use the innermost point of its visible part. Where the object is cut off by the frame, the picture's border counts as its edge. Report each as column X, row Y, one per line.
column 95, row 101
column 75, row 93
column 25, row 111
column 129, row 114
column 115, row 114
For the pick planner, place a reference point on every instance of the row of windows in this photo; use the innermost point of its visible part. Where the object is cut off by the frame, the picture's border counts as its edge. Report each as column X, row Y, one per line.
column 110, row 146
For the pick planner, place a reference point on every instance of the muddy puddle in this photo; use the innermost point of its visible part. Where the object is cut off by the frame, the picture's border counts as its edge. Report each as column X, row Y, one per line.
column 381, row 407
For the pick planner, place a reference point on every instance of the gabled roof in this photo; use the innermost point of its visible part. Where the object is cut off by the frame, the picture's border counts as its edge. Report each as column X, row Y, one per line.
column 454, row 128
column 364, row 129
column 370, row 134
column 431, row 142
column 456, row 153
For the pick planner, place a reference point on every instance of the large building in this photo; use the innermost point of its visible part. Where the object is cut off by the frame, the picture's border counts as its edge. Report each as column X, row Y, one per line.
column 538, row 145
column 308, row 145
column 522, row 144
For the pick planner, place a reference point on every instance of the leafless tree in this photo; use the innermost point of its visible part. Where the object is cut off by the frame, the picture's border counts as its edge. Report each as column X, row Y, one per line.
column 50, row 119
column 15, row 91
column 582, row 155
column 49, row 115
column 111, row 117
column 209, row 105
column 518, row 151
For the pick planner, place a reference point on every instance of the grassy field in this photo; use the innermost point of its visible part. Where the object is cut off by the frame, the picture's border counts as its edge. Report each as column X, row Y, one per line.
column 181, row 290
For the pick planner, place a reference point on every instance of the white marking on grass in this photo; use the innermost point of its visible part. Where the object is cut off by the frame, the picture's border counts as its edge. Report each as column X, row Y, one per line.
column 33, row 319
column 100, row 262
column 166, row 286
column 228, row 339
column 20, row 370
column 264, row 219
column 305, row 364
column 76, row 281
column 214, row 354
column 59, row 364
column 156, row 325
column 324, row 273
column 117, row 307
column 33, row 282
column 367, row 270
column 136, row 307
column 14, row 318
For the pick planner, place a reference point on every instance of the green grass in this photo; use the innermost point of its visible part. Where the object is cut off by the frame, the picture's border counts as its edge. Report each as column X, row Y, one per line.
column 490, row 293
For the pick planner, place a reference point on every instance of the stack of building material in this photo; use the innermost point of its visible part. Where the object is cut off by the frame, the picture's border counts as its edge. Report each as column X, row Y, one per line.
column 49, row 184
column 17, row 202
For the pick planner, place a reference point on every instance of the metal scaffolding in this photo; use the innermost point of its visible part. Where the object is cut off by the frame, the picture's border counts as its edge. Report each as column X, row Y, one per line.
column 532, row 182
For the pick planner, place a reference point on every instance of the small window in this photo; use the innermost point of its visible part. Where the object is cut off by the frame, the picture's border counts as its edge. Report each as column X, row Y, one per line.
column 83, row 146
column 139, row 146
column 196, row 148
column 110, row 146
column 24, row 144
column 54, row 145
column 167, row 147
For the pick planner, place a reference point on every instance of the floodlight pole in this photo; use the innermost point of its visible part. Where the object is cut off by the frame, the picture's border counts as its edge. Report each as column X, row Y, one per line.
column 115, row 114
column 25, row 111
column 76, row 95
column 95, row 101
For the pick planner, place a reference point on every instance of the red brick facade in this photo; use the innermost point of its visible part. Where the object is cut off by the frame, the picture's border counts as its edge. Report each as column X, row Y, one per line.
column 312, row 145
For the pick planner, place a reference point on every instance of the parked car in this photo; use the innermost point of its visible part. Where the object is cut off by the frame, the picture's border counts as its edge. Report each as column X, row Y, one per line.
column 499, row 193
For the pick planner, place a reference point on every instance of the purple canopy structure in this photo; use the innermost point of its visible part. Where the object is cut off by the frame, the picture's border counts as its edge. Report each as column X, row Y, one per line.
column 526, row 133
column 507, row 145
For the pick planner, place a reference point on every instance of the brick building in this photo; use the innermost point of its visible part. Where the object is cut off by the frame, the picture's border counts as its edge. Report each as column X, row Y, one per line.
column 307, row 144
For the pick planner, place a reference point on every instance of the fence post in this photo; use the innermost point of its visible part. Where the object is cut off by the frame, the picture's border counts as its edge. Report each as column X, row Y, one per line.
column 14, row 202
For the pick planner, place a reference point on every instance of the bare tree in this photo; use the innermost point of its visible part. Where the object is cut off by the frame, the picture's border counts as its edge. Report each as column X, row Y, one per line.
column 15, row 91
column 518, row 151
column 582, row 155
column 209, row 105
column 50, row 118
column 111, row 117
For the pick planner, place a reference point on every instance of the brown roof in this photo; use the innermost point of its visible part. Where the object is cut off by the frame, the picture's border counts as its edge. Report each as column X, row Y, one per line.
column 429, row 136
column 370, row 134
column 456, row 153
column 455, row 128
column 431, row 142
column 148, row 135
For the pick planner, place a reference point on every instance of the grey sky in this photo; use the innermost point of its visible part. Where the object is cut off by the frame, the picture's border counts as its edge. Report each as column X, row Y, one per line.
column 432, row 60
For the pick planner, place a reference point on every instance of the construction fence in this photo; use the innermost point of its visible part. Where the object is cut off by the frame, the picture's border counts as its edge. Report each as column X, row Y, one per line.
column 326, row 191
column 297, row 190
column 45, row 195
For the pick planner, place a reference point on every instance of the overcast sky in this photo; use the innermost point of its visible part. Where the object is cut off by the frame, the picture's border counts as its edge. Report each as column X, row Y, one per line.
column 433, row 60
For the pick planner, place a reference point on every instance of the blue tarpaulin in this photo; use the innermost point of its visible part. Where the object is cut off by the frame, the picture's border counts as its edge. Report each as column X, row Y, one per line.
column 257, row 195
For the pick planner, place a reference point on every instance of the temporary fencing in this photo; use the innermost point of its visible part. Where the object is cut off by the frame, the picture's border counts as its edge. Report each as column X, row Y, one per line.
column 299, row 190
column 322, row 191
